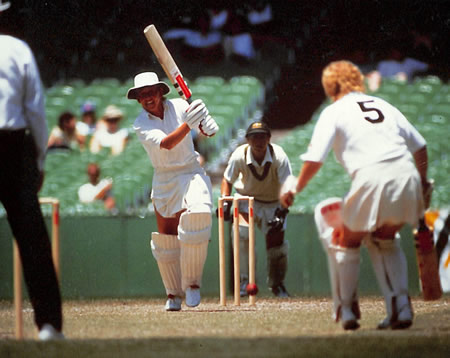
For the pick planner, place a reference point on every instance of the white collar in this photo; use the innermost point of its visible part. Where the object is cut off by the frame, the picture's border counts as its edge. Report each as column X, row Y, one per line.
column 251, row 159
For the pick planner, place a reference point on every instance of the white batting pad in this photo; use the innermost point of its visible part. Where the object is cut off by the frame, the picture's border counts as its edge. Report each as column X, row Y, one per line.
column 327, row 216
column 344, row 275
column 381, row 274
column 166, row 251
column 395, row 264
column 194, row 231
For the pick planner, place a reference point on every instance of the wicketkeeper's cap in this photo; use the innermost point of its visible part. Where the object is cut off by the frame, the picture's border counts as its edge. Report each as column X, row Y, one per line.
column 146, row 79
column 4, row 6
column 258, row 127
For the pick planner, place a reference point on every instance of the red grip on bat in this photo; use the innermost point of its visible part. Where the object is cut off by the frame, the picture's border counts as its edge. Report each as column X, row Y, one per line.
column 184, row 88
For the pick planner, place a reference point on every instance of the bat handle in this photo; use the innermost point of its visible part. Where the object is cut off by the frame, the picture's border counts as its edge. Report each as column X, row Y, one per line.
column 189, row 100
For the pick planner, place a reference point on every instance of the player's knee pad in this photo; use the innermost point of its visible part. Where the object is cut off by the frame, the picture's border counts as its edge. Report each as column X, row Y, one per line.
column 166, row 251
column 327, row 217
column 194, row 231
column 194, row 228
column 165, row 248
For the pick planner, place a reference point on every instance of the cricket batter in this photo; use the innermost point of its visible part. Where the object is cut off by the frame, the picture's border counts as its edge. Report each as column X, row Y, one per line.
column 258, row 169
column 181, row 190
column 387, row 160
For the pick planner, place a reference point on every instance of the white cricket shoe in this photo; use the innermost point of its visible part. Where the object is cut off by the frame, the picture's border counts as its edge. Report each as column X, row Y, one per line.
column 348, row 318
column 193, row 296
column 405, row 313
column 48, row 333
column 173, row 303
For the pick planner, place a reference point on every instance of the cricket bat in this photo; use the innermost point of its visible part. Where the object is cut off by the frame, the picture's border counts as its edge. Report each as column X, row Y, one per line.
column 427, row 262
column 167, row 62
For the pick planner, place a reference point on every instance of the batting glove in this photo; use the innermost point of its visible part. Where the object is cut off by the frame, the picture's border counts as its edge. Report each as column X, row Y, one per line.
column 195, row 113
column 208, row 127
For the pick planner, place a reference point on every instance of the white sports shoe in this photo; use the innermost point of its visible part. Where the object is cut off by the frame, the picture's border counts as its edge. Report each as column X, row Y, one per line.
column 173, row 303
column 193, row 296
column 348, row 318
column 405, row 313
column 48, row 332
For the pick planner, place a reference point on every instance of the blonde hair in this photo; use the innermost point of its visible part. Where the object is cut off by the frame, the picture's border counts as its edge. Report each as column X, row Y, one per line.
column 340, row 78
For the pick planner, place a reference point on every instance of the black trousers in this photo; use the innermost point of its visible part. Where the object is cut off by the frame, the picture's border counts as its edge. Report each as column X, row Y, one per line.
column 19, row 180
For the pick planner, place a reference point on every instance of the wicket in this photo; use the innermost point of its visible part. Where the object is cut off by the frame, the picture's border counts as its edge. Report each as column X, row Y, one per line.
column 17, row 266
column 251, row 259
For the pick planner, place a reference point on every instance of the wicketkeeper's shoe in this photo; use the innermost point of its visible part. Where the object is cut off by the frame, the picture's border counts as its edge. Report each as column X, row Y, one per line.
column 48, row 333
column 348, row 318
column 243, row 290
column 173, row 303
column 280, row 291
column 193, row 296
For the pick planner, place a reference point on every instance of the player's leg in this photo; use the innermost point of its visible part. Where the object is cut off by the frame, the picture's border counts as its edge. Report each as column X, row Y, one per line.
column 19, row 182
column 277, row 263
column 166, row 251
column 243, row 255
column 393, row 266
column 343, row 260
column 194, row 232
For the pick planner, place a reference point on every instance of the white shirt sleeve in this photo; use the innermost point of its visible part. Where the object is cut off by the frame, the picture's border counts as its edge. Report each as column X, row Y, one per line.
column 322, row 139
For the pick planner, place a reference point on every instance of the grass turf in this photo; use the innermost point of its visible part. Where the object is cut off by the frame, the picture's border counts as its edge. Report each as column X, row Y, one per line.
column 297, row 327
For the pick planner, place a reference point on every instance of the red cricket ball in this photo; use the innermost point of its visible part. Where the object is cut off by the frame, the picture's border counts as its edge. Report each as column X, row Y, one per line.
column 252, row 289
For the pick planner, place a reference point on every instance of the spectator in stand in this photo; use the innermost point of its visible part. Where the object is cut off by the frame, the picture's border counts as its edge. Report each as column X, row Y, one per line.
column 97, row 189
column 238, row 42
column 111, row 136
column 66, row 135
column 260, row 20
column 88, row 124
column 398, row 65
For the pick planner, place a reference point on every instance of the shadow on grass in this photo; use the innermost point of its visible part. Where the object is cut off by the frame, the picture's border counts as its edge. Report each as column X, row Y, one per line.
column 351, row 345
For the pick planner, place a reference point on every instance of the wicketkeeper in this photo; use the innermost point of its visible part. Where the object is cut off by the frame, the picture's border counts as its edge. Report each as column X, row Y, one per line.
column 181, row 190
column 258, row 169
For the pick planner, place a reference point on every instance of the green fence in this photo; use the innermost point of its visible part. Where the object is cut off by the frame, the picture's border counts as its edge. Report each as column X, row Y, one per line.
column 111, row 257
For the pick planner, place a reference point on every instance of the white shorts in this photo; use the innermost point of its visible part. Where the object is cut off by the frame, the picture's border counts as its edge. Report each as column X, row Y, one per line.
column 386, row 193
column 173, row 192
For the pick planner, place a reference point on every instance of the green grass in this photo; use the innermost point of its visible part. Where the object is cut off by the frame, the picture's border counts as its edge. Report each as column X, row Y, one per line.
column 297, row 327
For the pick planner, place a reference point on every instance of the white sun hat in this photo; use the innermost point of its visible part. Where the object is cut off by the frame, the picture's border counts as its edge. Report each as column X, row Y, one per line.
column 146, row 79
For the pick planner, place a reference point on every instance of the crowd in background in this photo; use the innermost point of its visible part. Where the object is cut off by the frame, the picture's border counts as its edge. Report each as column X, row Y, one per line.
column 94, row 40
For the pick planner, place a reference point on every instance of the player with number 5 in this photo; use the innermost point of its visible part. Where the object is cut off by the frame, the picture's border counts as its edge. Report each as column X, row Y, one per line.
column 386, row 158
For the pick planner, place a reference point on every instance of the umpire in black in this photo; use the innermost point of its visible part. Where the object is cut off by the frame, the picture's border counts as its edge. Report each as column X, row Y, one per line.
column 23, row 140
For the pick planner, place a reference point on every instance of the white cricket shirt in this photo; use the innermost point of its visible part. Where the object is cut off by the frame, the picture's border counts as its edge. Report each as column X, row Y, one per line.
column 362, row 130
column 21, row 93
